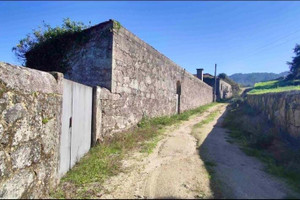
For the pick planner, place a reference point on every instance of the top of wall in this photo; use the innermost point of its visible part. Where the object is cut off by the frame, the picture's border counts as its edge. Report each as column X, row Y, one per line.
column 151, row 48
column 143, row 44
column 30, row 80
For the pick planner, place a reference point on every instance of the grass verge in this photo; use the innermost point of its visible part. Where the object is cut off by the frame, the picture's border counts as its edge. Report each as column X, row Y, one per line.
column 275, row 86
column 257, row 140
column 104, row 160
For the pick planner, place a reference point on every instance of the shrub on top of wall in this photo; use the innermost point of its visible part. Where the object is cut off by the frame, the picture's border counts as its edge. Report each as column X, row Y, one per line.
column 45, row 49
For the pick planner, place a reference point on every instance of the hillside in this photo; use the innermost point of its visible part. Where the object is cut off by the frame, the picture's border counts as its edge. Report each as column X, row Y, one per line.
column 249, row 79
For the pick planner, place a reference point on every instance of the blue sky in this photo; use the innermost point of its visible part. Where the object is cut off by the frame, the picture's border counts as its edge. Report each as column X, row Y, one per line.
column 238, row 36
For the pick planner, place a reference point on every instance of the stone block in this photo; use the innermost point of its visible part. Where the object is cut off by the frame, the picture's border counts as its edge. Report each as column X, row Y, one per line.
column 14, row 113
column 17, row 185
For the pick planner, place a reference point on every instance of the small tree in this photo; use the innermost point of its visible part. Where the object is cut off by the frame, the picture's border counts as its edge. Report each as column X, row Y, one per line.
column 46, row 47
column 295, row 64
column 223, row 76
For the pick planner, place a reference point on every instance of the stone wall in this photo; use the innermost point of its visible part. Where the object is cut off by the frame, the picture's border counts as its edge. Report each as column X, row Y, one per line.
column 144, row 83
column 91, row 63
column 225, row 90
column 283, row 109
column 135, row 79
column 30, row 124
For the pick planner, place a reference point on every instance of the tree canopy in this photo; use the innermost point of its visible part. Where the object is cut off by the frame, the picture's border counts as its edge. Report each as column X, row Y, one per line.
column 295, row 64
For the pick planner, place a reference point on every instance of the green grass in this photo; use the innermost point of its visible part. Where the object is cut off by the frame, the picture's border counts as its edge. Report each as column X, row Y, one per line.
column 210, row 164
column 208, row 119
column 275, row 86
column 45, row 120
column 197, row 127
column 104, row 160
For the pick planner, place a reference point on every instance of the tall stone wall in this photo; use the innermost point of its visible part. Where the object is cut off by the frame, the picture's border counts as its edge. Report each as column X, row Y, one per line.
column 30, row 124
column 144, row 83
column 91, row 62
column 283, row 109
column 135, row 79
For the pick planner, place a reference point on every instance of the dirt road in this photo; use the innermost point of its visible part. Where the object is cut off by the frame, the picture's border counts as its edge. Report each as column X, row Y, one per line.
column 239, row 175
column 176, row 170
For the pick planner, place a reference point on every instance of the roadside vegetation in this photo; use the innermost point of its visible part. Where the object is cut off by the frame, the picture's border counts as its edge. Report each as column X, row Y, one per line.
column 105, row 159
column 258, row 138
column 275, row 86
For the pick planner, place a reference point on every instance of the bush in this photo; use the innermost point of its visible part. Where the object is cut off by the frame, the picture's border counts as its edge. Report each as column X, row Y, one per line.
column 45, row 49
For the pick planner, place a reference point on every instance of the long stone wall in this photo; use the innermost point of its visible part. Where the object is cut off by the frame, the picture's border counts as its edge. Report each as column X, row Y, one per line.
column 283, row 109
column 144, row 83
column 135, row 79
column 30, row 124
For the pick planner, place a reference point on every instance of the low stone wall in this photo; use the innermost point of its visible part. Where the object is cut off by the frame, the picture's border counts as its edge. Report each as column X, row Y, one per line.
column 30, row 125
column 283, row 109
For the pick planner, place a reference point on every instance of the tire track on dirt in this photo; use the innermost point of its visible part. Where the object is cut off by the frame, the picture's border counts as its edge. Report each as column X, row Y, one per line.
column 173, row 170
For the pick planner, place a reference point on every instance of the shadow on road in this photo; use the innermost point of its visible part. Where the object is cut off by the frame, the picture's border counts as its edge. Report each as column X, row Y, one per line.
column 233, row 173
column 204, row 152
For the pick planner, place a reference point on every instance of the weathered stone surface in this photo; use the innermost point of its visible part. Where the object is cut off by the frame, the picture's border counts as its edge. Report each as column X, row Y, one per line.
column 146, row 81
column 3, row 165
column 1, row 131
column 21, row 157
column 283, row 109
column 14, row 113
column 91, row 63
column 23, row 133
column 28, row 80
column 15, row 187
column 29, row 147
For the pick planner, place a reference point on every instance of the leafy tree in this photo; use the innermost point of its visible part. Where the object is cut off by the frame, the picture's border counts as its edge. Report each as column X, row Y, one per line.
column 45, row 49
column 295, row 64
column 223, row 76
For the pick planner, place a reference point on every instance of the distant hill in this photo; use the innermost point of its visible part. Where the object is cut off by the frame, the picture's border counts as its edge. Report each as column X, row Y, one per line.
column 251, row 78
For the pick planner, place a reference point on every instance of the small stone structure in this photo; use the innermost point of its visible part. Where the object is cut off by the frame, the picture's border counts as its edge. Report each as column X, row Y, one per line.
column 224, row 89
column 30, row 125
column 136, row 80
column 283, row 109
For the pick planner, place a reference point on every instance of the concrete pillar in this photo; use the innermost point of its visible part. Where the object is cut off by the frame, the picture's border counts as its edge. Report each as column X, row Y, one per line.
column 200, row 74
column 97, row 115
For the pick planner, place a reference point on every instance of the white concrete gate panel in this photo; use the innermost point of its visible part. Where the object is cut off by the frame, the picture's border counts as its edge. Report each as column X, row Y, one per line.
column 76, row 124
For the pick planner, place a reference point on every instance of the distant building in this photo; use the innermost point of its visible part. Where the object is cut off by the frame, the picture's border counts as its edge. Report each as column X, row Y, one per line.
column 224, row 89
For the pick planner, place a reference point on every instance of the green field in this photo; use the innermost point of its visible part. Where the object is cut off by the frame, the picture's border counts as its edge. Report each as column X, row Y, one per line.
column 275, row 86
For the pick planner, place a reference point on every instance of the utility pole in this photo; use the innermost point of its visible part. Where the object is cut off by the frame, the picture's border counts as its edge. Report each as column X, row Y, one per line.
column 215, row 88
